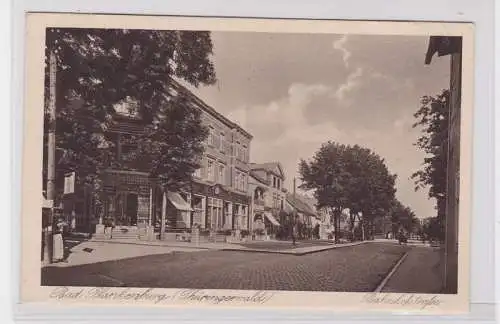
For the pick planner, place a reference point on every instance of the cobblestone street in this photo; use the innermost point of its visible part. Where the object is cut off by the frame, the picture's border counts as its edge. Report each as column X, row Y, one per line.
column 356, row 269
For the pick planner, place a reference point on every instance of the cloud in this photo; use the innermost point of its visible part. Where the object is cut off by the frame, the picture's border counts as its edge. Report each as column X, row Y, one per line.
column 282, row 132
column 339, row 45
column 291, row 102
column 280, row 128
column 352, row 81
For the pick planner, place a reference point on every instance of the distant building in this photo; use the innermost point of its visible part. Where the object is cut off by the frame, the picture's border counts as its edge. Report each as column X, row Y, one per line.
column 267, row 196
column 451, row 46
column 304, row 212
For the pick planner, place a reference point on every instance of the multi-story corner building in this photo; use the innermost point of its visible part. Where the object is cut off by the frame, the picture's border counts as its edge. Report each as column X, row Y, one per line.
column 216, row 199
column 267, row 196
column 219, row 194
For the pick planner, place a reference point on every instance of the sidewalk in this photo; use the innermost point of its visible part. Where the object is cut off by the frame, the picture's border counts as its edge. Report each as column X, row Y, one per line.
column 409, row 243
column 420, row 272
column 91, row 251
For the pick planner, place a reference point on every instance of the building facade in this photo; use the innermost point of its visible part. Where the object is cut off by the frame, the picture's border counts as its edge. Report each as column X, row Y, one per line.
column 305, row 214
column 219, row 194
column 267, row 196
column 216, row 199
column 451, row 46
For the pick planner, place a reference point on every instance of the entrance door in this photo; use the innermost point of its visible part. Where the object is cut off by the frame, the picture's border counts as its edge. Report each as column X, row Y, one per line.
column 132, row 208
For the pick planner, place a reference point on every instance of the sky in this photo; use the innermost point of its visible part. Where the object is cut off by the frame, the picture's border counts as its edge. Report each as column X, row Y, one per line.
column 293, row 92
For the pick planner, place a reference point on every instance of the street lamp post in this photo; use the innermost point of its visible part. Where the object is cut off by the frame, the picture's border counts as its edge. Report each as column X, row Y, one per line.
column 51, row 156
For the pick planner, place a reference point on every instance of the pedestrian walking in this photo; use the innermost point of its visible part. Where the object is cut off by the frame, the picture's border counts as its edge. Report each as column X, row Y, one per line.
column 294, row 234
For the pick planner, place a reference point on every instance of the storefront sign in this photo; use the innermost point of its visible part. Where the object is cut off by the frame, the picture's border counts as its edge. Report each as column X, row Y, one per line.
column 69, row 183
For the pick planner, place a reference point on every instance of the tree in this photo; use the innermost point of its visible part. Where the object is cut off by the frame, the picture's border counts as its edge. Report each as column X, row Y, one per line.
column 371, row 187
column 171, row 148
column 433, row 118
column 328, row 176
column 344, row 176
column 432, row 229
column 99, row 68
column 402, row 217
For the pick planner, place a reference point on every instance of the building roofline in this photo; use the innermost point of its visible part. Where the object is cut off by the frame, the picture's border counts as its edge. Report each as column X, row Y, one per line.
column 259, row 179
column 264, row 166
column 203, row 105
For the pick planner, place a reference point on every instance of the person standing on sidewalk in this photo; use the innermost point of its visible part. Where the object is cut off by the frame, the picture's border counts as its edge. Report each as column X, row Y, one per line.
column 294, row 234
column 58, row 255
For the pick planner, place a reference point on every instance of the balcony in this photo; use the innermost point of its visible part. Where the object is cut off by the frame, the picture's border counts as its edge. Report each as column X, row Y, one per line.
column 259, row 204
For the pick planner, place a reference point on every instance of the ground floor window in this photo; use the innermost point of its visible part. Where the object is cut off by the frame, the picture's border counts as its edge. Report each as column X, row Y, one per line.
column 228, row 215
column 241, row 216
column 198, row 204
column 215, row 215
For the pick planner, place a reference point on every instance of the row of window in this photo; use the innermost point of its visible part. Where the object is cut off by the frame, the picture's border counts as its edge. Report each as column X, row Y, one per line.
column 276, row 182
column 217, row 172
column 240, row 181
column 277, row 201
column 221, row 214
column 217, row 140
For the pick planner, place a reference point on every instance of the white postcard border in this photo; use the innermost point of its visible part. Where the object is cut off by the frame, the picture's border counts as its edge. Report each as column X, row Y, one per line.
column 31, row 291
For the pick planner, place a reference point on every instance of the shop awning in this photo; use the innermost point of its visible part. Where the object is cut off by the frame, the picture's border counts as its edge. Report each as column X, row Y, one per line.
column 178, row 202
column 271, row 218
column 288, row 207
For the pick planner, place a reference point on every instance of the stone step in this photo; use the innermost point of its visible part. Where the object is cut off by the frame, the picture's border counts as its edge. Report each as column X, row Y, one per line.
column 125, row 236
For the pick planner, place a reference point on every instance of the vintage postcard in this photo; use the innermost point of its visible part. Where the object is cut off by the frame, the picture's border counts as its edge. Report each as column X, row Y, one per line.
column 216, row 162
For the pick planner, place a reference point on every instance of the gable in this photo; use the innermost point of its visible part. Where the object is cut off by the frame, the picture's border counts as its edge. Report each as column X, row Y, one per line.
column 278, row 170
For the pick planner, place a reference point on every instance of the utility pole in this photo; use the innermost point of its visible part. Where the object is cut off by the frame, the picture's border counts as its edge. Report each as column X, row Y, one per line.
column 294, row 221
column 163, row 214
column 51, row 156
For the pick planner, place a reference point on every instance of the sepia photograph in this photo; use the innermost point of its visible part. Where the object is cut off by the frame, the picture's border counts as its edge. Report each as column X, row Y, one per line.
column 266, row 160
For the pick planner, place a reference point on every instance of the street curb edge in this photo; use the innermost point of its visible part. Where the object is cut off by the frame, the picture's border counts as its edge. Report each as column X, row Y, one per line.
column 391, row 273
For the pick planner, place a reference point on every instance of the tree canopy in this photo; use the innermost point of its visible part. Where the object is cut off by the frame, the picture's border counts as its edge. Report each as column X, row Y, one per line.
column 353, row 177
column 171, row 148
column 433, row 118
column 100, row 68
column 402, row 217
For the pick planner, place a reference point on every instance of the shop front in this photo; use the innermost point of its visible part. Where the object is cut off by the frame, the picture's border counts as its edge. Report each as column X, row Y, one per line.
column 225, row 210
column 133, row 208
column 127, row 202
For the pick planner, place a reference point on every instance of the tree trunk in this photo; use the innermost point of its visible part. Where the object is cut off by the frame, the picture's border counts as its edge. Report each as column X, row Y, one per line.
column 362, row 225
column 336, row 219
column 163, row 214
column 352, row 219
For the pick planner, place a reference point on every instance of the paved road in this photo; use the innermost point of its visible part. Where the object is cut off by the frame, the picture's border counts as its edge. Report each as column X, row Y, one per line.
column 358, row 269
